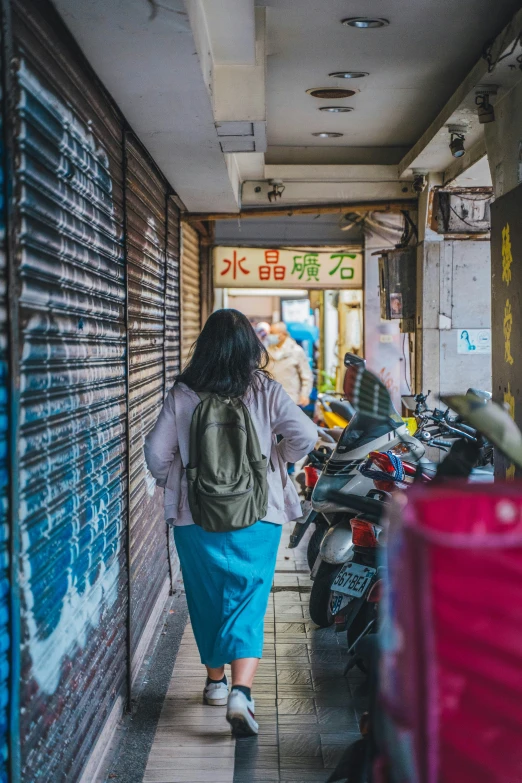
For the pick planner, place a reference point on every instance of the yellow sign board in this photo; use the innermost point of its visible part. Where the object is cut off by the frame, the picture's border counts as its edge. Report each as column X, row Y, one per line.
column 255, row 267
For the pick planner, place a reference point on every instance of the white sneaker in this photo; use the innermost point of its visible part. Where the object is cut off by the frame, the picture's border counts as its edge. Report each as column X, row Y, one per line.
column 240, row 715
column 216, row 694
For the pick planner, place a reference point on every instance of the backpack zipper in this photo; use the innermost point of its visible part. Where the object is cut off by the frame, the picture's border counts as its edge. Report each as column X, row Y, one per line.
column 225, row 494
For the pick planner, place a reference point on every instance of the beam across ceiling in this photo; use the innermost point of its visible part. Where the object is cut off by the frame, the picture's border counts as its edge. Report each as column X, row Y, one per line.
column 309, row 209
column 460, row 165
column 431, row 152
column 329, row 173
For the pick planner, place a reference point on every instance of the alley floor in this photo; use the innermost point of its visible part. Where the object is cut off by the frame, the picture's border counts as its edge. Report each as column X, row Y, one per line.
column 306, row 709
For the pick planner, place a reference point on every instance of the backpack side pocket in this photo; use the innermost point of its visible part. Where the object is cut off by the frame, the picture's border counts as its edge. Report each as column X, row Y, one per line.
column 259, row 469
column 192, row 478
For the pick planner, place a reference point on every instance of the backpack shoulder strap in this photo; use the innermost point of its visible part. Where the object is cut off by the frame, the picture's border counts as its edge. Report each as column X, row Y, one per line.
column 194, row 434
column 253, row 447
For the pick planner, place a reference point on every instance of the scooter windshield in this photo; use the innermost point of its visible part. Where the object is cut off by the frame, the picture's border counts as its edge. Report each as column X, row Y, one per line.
column 362, row 430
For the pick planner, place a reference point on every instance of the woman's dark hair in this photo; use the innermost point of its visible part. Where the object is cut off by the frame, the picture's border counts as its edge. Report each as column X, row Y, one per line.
column 227, row 356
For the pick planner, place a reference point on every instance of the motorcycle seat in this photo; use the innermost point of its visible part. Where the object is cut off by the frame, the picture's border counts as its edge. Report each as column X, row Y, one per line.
column 342, row 409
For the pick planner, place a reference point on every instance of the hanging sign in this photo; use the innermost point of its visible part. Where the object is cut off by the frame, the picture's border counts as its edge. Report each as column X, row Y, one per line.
column 255, row 267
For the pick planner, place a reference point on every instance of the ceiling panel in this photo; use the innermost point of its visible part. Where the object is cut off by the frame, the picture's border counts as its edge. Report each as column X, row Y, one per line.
column 414, row 65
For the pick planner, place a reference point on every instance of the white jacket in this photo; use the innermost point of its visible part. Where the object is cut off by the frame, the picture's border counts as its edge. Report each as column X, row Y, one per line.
column 273, row 413
column 290, row 367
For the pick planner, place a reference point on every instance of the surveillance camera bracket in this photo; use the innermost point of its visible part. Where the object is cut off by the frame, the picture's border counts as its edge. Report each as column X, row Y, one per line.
column 277, row 189
column 460, row 130
column 486, row 89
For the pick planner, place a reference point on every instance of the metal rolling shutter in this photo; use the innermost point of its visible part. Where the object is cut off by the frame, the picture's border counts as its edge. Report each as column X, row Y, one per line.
column 69, row 224
column 146, row 203
column 172, row 314
column 172, row 332
column 190, row 288
column 5, row 634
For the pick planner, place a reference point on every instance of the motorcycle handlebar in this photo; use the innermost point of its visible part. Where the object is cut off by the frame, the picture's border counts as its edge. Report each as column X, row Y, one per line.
column 468, row 434
column 458, row 425
column 445, row 443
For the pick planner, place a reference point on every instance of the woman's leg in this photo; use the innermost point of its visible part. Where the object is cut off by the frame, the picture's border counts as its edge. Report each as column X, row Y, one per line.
column 244, row 671
column 216, row 674
column 240, row 708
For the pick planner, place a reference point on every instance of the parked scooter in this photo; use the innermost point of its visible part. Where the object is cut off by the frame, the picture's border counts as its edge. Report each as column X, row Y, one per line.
column 332, row 411
column 490, row 423
column 350, row 548
column 341, row 473
column 356, row 590
column 438, row 424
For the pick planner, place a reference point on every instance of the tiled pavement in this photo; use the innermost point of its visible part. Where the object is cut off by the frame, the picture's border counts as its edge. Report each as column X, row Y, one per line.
column 305, row 707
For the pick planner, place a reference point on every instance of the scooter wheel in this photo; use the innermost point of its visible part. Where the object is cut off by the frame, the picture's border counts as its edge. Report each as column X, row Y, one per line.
column 320, row 596
column 315, row 542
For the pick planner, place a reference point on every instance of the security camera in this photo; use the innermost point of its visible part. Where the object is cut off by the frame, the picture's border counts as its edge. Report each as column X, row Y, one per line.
column 457, row 146
column 457, row 139
column 420, row 183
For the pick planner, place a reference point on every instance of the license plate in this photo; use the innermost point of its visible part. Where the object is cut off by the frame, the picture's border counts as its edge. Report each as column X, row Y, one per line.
column 338, row 601
column 353, row 579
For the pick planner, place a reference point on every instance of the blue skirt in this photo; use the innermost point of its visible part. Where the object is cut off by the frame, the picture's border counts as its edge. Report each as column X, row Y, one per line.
column 228, row 577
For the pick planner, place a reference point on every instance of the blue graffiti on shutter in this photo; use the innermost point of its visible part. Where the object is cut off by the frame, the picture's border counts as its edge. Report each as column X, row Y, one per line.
column 146, row 199
column 4, row 484
column 72, row 445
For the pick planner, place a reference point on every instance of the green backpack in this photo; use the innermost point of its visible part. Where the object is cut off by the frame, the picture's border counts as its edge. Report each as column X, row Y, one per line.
column 226, row 472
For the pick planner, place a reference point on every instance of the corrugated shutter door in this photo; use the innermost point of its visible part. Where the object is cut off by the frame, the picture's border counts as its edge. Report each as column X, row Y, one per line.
column 69, row 224
column 190, row 286
column 4, row 481
column 146, row 203
column 172, row 314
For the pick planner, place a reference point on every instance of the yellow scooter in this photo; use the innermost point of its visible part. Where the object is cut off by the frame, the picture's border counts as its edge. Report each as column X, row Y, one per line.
column 332, row 412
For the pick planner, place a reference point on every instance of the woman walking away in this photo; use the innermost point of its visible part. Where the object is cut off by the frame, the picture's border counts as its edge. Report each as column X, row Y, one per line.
column 220, row 448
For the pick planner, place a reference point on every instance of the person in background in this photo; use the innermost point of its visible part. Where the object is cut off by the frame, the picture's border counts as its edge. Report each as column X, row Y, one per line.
column 289, row 365
column 263, row 330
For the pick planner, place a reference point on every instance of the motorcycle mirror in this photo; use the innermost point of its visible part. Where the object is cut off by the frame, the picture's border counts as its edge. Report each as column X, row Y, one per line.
column 351, row 360
column 484, row 395
column 491, row 420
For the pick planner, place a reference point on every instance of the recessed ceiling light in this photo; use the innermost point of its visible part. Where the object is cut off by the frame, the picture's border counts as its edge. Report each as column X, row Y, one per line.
column 348, row 74
column 328, row 135
column 365, row 22
column 335, row 109
column 332, row 92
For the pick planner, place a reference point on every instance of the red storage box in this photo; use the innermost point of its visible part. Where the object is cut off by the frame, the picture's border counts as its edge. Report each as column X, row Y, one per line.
column 451, row 664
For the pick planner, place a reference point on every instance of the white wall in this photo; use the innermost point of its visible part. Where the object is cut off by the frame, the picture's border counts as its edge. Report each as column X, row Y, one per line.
column 382, row 339
column 454, row 293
